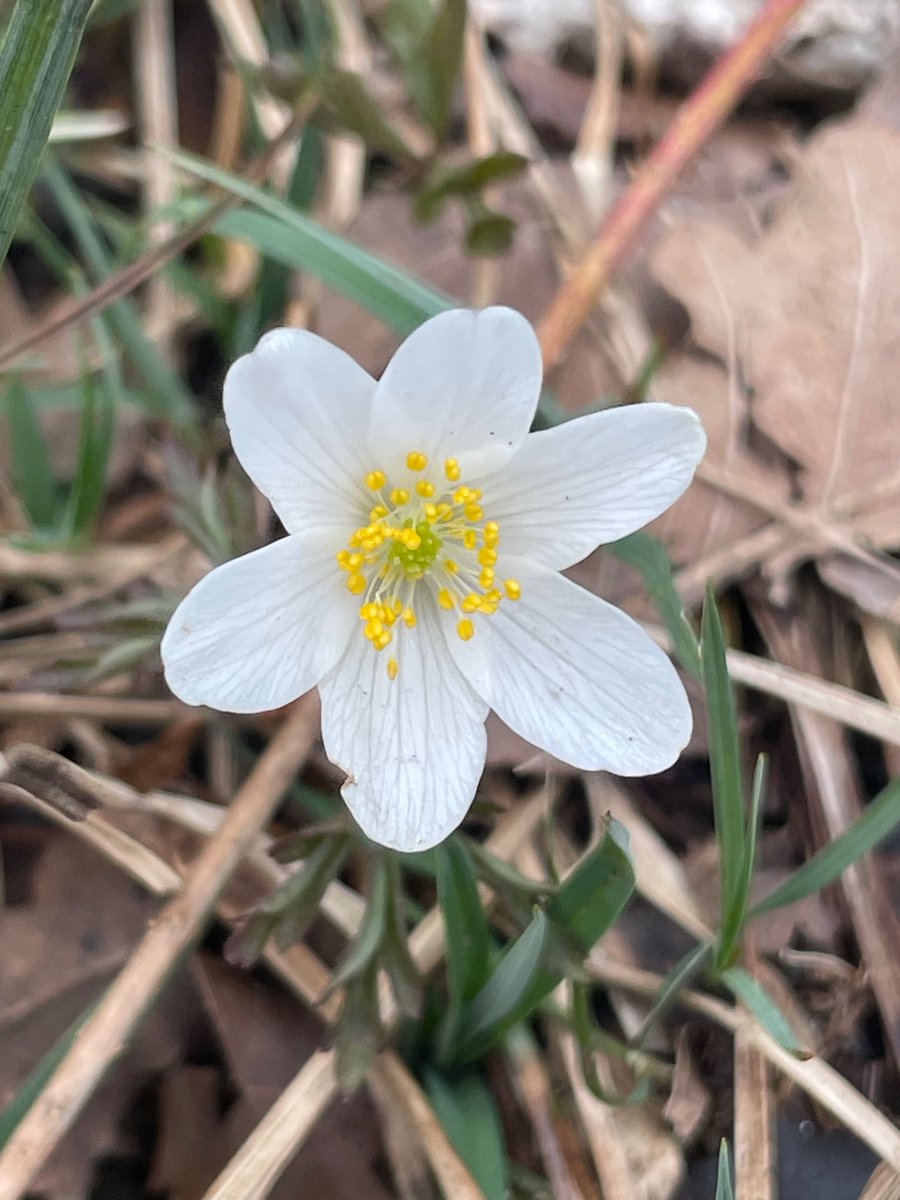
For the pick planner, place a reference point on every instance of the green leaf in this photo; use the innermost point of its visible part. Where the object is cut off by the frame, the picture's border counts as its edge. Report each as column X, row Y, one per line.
column 593, row 896
column 467, row 1110
column 879, row 820
column 95, row 444
column 724, row 1185
column 733, row 921
column 364, row 948
column 516, row 986
column 170, row 398
column 32, row 473
column 754, row 997
column 503, row 877
column 441, row 55
column 395, row 297
column 681, row 976
column 30, row 1090
column 489, row 233
column 648, row 555
column 349, row 104
column 724, row 757
column 466, row 929
column 406, row 982
column 469, row 180
column 36, row 57
column 358, row 1031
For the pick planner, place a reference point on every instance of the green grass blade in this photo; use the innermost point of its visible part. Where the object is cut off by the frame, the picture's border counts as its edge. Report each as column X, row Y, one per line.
column 593, row 896
column 681, row 975
column 12, row 1115
column 733, row 921
column 467, row 1110
column 36, row 58
column 32, row 472
column 277, row 230
column 724, row 756
column 724, row 1183
column 515, row 987
column 753, row 996
column 168, row 395
column 97, row 422
column 468, row 937
column 879, row 820
column 648, row 555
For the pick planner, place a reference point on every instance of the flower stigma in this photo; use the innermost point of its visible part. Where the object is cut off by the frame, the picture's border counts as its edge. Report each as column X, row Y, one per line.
column 432, row 533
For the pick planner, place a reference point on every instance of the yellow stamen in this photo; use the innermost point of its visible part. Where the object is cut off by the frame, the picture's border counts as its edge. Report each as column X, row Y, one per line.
column 466, row 630
column 357, row 584
column 425, row 488
column 399, row 496
column 445, row 600
column 513, row 589
column 393, row 668
column 410, row 618
column 416, row 461
column 451, row 469
column 376, row 480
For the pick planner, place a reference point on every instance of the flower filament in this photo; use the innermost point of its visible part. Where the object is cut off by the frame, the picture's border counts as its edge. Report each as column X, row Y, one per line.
column 431, row 530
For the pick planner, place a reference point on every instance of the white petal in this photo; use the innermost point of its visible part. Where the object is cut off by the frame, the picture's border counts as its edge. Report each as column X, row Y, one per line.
column 592, row 480
column 577, row 677
column 260, row 630
column 464, row 385
column 413, row 747
column 297, row 409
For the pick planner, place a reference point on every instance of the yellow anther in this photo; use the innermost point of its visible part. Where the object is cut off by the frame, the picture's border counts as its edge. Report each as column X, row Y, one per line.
column 491, row 533
column 461, row 495
column 445, row 600
column 416, row 461
column 471, row 603
column 487, row 577
column 378, row 512
column 425, row 488
column 451, row 469
column 393, row 668
column 376, row 480
column 452, row 567
column 473, row 511
column 370, row 610
column 470, row 539
column 357, row 583
column 513, row 589
column 487, row 608
column 383, row 640
column 444, row 510
column 410, row 618
column 397, row 608
column 465, row 629
column 494, row 596
column 488, row 556
column 399, row 496
column 343, row 558
column 431, row 512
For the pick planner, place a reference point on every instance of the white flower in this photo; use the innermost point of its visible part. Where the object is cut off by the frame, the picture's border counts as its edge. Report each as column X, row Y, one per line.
column 419, row 582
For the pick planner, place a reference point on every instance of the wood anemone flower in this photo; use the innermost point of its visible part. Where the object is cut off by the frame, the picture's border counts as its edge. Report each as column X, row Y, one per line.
column 419, row 584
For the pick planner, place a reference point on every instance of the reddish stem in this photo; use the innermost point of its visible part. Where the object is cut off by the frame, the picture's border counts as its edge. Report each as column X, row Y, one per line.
column 696, row 121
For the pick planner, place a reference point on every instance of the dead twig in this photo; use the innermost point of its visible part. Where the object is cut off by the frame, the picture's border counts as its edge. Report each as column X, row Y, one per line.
column 179, row 924
column 697, row 120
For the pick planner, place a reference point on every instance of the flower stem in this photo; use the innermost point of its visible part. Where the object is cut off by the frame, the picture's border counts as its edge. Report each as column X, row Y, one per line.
column 696, row 121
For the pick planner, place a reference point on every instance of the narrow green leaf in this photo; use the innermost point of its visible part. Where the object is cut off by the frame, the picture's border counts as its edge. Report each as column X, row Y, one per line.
column 441, row 54
column 465, row 925
column 879, row 820
column 32, row 473
column 358, row 1032
column 724, row 754
column 724, row 1185
column 95, row 444
column 36, row 58
column 406, row 982
column 648, row 555
column 681, row 976
column 392, row 295
column 12, row 1115
column 733, row 921
column 364, row 948
column 515, row 987
column 171, row 398
column 502, row 876
column 593, row 896
column 467, row 1110
column 754, row 996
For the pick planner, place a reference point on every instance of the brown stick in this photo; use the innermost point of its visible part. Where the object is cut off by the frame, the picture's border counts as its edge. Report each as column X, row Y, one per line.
column 694, row 124
column 113, row 1023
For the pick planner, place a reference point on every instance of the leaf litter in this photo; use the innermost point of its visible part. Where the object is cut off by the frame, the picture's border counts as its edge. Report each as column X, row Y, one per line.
column 790, row 361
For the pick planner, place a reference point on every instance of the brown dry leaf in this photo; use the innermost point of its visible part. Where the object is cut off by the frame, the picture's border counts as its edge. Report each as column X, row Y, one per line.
column 804, row 319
